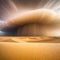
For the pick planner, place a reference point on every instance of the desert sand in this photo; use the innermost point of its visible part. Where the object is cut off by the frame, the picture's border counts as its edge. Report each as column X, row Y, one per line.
column 29, row 48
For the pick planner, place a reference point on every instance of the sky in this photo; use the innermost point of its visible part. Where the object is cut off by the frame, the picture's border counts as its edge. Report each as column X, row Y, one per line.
column 10, row 7
column 7, row 7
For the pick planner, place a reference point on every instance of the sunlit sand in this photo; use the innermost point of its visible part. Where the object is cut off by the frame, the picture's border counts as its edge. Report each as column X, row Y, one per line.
column 24, row 48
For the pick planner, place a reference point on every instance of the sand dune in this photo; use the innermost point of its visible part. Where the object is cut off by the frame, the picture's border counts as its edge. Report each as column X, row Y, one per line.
column 29, row 48
column 30, row 39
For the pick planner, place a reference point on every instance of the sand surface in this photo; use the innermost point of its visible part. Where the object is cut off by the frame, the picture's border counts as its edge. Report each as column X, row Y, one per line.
column 29, row 50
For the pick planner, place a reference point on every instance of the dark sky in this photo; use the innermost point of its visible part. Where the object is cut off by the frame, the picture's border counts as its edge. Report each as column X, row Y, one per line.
column 7, row 7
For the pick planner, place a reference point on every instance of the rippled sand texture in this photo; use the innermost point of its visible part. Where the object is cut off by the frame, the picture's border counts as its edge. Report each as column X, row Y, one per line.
column 30, row 39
